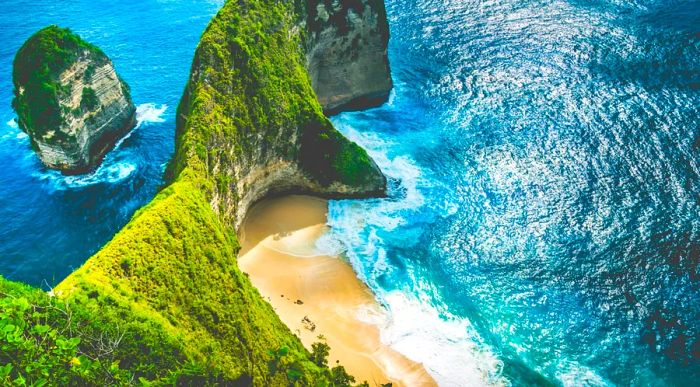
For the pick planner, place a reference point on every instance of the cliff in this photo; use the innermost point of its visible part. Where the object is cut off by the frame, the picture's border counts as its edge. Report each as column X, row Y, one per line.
column 346, row 53
column 165, row 301
column 70, row 100
column 249, row 119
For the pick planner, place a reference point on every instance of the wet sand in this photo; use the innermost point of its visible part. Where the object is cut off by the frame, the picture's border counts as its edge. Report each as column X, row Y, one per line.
column 319, row 295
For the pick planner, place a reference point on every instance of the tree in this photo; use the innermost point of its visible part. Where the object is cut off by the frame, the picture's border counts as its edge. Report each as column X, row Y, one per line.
column 320, row 351
column 340, row 378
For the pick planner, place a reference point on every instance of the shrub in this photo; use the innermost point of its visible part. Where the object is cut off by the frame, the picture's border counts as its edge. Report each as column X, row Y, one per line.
column 89, row 99
column 320, row 351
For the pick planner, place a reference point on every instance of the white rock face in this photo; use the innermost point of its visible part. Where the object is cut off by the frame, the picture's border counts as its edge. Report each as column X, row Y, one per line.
column 347, row 53
column 92, row 130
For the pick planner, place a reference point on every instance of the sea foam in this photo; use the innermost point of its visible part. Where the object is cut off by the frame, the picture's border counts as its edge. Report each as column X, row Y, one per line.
column 443, row 343
column 113, row 169
column 448, row 346
column 150, row 113
column 146, row 113
column 106, row 174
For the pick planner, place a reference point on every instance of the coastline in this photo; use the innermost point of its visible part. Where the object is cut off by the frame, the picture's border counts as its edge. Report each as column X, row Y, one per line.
column 315, row 294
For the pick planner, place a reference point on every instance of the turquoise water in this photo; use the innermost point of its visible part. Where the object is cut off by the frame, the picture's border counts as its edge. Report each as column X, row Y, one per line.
column 545, row 157
column 543, row 223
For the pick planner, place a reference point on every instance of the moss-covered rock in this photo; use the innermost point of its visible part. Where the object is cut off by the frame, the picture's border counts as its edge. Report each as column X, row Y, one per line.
column 69, row 99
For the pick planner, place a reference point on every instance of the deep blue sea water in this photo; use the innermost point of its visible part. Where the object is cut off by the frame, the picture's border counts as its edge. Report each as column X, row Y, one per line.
column 544, row 156
column 50, row 224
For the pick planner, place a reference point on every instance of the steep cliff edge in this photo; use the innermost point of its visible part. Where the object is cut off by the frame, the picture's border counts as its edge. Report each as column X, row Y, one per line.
column 346, row 53
column 249, row 119
column 70, row 100
column 165, row 301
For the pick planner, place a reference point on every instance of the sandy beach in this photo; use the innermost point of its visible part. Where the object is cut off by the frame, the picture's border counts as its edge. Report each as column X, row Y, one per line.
column 316, row 294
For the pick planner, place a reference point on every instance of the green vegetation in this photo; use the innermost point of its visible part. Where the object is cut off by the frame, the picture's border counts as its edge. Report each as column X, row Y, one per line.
column 89, row 72
column 89, row 99
column 169, row 280
column 320, row 351
column 341, row 378
column 43, row 341
column 36, row 68
column 164, row 302
column 249, row 84
column 333, row 157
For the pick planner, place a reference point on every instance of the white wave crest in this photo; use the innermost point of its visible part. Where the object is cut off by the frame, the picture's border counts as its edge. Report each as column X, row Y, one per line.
column 441, row 342
column 111, row 174
column 386, row 213
column 150, row 113
column 145, row 113
column 12, row 123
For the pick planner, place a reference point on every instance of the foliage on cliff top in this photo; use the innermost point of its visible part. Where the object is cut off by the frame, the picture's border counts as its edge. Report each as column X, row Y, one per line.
column 44, row 341
column 249, row 91
column 36, row 69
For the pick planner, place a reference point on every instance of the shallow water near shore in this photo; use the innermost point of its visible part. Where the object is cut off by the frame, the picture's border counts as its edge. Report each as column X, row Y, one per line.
column 317, row 294
column 543, row 220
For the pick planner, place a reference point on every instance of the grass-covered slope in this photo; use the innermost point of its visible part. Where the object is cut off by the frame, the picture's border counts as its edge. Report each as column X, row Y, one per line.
column 170, row 277
column 36, row 68
column 164, row 301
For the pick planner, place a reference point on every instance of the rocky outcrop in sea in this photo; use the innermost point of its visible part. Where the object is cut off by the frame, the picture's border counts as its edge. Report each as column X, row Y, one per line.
column 70, row 100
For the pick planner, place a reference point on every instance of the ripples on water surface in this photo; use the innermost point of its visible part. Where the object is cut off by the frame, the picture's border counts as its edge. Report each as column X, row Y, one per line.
column 543, row 222
column 549, row 189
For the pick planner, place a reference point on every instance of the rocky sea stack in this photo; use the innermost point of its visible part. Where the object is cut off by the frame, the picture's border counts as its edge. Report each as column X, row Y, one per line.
column 69, row 100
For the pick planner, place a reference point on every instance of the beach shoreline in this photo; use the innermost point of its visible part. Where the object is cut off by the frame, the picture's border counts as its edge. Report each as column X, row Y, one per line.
column 316, row 294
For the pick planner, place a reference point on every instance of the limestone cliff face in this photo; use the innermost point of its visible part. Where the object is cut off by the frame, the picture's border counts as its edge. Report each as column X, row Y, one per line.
column 91, row 131
column 77, row 110
column 347, row 53
column 250, row 119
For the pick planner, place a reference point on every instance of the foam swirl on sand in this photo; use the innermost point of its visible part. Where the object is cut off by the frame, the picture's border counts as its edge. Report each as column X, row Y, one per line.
column 317, row 294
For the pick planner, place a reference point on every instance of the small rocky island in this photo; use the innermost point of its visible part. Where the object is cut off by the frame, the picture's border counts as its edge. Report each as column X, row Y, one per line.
column 69, row 100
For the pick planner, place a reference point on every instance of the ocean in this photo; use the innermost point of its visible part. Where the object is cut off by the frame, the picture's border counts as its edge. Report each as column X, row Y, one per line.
column 543, row 222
